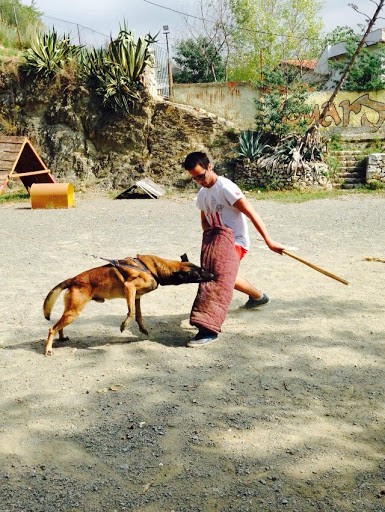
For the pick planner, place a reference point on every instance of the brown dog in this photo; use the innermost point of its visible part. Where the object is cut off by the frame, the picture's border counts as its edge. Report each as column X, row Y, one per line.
column 129, row 278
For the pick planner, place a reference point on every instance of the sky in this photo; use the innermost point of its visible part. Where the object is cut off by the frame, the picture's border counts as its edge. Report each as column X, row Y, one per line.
column 105, row 16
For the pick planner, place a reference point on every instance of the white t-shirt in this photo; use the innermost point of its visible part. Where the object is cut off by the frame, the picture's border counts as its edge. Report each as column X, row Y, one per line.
column 217, row 204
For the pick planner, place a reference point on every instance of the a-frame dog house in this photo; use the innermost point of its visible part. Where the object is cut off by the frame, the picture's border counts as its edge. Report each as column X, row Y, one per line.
column 18, row 159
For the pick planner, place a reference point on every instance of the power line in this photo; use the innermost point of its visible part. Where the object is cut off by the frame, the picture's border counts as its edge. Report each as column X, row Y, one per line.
column 243, row 29
column 73, row 23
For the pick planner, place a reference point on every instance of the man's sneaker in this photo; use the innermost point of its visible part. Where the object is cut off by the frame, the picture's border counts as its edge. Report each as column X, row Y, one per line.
column 203, row 337
column 256, row 303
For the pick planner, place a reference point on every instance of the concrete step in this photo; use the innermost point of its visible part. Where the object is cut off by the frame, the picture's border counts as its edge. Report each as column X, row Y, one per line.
column 342, row 152
column 352, row 181
column 355, row 175
column 348, row 185
column 351, row 171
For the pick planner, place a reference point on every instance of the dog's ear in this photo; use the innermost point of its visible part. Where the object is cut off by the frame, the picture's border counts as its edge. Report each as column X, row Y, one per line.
column 184, row 257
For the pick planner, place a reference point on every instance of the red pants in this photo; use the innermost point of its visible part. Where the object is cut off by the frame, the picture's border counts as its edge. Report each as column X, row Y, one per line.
column 241, row 251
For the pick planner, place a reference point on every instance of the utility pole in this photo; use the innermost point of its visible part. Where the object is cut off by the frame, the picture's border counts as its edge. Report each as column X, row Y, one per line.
column 17, row 26
column 166, row 32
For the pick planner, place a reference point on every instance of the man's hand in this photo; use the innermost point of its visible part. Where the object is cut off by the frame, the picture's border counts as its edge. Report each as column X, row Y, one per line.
column 275, row 246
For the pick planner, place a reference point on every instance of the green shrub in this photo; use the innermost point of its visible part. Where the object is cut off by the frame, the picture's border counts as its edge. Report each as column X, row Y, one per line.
column 281, row 105
column 335, row 142
column 375, row 185
column 49, row 53
column 118, row 70
column 250, row 145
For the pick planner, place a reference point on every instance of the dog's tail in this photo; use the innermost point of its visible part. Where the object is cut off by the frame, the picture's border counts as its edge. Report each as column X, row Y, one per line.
column 52, row 297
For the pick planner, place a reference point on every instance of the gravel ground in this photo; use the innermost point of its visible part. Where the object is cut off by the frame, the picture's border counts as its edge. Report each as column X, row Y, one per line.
column 284, row 412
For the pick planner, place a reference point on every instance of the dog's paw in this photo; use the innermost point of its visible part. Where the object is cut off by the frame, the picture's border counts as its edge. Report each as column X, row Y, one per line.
column 122, row 327
column 64, row 338
column 48, row 352
column 143, row 331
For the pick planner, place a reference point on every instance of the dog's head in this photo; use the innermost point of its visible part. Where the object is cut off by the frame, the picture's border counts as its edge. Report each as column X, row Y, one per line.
column 168, row 272
column 189, row 273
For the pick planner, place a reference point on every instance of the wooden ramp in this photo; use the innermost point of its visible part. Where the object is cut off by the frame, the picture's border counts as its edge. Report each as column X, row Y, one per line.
column 142, row 189
column 18, row 159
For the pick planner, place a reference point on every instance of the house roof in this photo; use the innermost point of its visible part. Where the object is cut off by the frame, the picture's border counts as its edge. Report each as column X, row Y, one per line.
column 303, row 64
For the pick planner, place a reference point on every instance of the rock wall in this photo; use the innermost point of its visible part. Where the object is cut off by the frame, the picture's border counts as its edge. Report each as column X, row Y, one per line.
column 83, row 143
column 255, row 174
column 375, row 168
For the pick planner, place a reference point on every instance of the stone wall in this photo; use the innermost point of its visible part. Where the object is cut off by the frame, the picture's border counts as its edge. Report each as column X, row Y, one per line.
column 375, row 168
column 83, row 143
column 258, row 174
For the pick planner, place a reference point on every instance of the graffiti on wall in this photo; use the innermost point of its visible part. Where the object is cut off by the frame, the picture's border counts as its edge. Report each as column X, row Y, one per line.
column 355, row 107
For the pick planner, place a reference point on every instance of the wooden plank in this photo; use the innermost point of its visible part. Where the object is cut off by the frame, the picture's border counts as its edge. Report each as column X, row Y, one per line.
column 7, row 157
column 6, row 166
column 32, row 173
column 12, row 139
column 11, row 148
column 2, row 187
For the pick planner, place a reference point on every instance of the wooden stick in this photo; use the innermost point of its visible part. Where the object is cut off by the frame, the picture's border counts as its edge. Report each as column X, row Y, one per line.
column 314, row 267
column 32, row 173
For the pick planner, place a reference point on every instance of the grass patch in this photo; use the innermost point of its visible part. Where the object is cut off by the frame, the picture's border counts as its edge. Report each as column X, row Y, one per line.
column 297, row 196
column 13, row 196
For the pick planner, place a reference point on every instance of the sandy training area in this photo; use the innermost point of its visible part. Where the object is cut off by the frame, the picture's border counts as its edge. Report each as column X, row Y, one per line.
column 284, row 412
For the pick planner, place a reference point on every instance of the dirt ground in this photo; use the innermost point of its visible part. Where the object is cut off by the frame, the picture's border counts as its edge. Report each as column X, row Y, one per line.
column 284, row 412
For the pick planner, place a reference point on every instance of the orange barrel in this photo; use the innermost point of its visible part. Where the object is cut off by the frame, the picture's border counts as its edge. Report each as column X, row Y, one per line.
column 52, row 195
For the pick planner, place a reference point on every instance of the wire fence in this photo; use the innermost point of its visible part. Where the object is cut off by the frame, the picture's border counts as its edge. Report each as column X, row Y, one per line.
column 79, row 34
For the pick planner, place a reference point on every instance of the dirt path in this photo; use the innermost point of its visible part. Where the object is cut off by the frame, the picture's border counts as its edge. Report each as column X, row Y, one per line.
column 284, row 412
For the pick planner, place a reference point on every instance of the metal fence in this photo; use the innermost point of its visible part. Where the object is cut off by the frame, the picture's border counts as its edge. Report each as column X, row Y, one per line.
column 161, row 70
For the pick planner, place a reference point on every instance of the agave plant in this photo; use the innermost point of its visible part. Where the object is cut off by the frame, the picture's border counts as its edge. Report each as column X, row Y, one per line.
column 250, row 145
column 49, row 53
column 119, row 69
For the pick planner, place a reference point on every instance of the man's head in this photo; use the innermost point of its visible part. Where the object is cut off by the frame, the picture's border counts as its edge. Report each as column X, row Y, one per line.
column 199, row 167
column 196, row 158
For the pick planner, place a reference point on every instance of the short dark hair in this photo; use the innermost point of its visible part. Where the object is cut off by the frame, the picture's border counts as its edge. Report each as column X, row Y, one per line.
column 196, row 158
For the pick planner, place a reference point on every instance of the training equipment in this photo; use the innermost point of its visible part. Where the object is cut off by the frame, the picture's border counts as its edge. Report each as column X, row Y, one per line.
column 333, row 276
column 52, row 195
column 18, row 159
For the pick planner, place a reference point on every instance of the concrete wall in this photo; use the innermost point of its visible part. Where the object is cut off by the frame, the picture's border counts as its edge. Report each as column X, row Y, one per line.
column 234, row 101
column 350, row 112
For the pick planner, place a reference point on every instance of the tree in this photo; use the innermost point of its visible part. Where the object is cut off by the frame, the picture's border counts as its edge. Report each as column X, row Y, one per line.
column 269, row 31
column 281, row 106
column 341, row 34
column 367, row 71
column 213, row 23
column 198, row 61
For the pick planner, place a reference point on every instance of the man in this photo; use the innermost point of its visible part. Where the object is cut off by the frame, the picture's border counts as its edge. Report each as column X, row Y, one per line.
column 223, row 204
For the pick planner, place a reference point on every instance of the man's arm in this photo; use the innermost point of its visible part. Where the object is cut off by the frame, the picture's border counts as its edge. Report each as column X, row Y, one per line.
column 244, row 206
column 204, row 223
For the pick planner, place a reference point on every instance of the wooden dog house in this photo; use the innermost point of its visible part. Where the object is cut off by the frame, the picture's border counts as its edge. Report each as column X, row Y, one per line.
column 18, row 159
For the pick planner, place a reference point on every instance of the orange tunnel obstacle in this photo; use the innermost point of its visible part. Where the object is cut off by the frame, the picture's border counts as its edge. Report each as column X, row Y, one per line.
column 52, row 195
